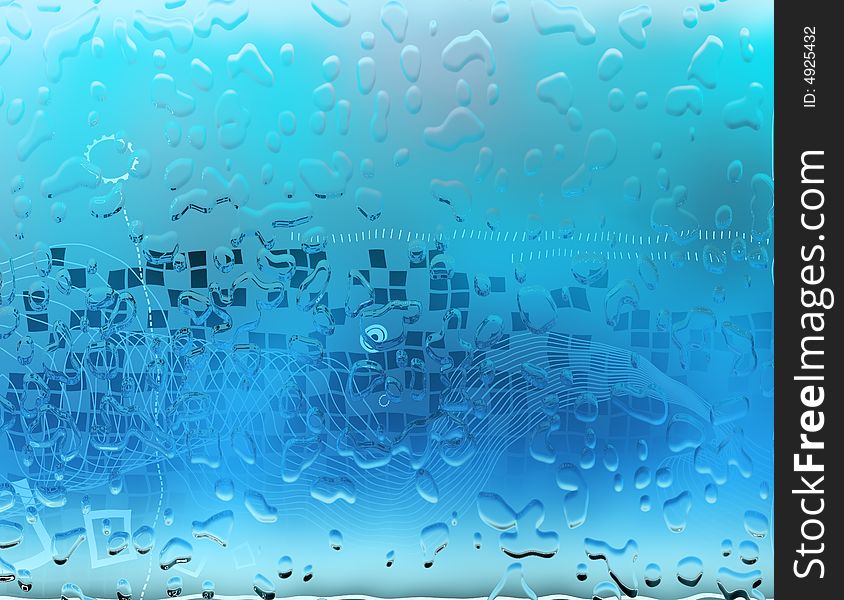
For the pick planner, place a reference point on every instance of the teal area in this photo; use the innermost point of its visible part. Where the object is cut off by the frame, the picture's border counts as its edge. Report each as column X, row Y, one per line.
column 386, row 299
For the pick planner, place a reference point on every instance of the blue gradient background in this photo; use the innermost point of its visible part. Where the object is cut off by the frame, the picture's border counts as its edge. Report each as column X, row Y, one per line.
column 388, row 513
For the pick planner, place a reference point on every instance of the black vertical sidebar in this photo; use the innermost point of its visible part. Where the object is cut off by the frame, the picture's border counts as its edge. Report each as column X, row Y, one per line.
column 808, row 268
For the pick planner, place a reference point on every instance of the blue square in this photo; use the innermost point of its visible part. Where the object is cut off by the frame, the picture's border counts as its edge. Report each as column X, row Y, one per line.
column 762, row 320
column 117, row 279
column 660, row 360
column 640, row 339
column 661, row 339
column 561, row 298
column 623, row 322
column 377, row 259
column 438, row 301
column 577, row 296
column 77, row 278
column 460, row 281
column 640, row 319
column 460, row 300
column 398, row 278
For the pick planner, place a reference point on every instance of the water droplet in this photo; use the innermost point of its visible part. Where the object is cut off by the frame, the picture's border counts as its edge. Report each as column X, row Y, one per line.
column 263, row 587
column 143, row 539
column 710, row 493
column 454, row 194
column 735, row 170
column 287, row 53
column 748, row 552
column 619, row 563
column 433, row 539
column 738, row 250
column 618, row 482
column 536, row 308
column 314, row 286
column 610, row 64
column 689, row 571
column 747, row 49
column 65, row 543
column 461, row 126
column 124, row 589
column 632, row 189
column 500, row 11
column 574, row 119
column 117, row 542
column 533, row 162
column 747, row 110
column 394, row 19
column 367, row 40
column 285, row 567
column 729, row 409
column 622, row 297
column 174, row 586
column 441, row 267
column 706, row 62
column 653, row 575
column 606, row 590
column 632, row 24
column 216, row 528
column 426, row 487
column 401, row 157
column 642, row 478
column 335, row 540
column 416, row 251
column 69, row 590
column 581, row 572
column 463, row 92
column 615, row 100
column 224, row 489
column 259, row 508
column 587, row 459
column 642, row 450
column 576, row 499
column 610, row 458
column 723, row 217
column 550, row 18
column 683, row 434
column 589, row 269
column 11, row 534
column 675, row 511
column 756, row 524
column 175, row 551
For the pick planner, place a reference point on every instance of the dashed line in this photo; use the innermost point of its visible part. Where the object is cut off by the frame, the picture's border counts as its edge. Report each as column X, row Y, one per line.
column 523, row 236
column 611, row 237
column 154, row 525
column 140, row 271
